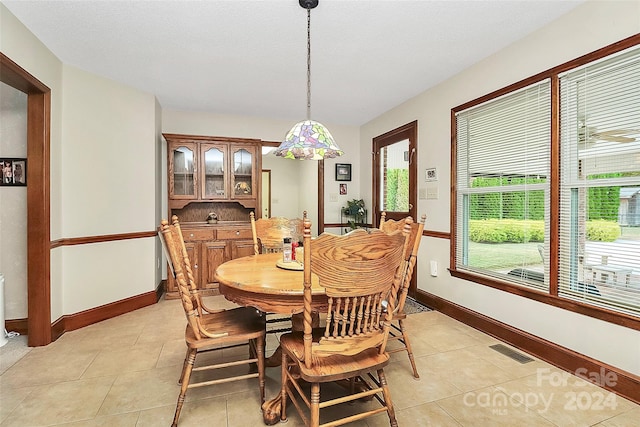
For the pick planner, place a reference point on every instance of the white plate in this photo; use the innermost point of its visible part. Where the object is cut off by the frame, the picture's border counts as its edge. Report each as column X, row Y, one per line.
column 293, row 265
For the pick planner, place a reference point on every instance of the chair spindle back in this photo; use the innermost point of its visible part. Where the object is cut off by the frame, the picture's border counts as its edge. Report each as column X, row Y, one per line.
column 359, row 271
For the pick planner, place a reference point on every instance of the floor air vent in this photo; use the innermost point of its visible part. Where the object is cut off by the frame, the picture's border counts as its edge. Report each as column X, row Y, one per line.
column 518, row 357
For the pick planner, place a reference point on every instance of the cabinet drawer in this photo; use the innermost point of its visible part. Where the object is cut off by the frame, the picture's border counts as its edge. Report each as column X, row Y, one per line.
column 198, row 234
column 235, row 233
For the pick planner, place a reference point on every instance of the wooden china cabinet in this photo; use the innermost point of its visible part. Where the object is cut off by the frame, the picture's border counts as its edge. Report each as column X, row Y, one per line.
column 208, row 174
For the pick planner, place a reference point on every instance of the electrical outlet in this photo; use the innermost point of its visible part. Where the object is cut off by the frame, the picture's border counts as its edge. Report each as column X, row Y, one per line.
column 433, row 264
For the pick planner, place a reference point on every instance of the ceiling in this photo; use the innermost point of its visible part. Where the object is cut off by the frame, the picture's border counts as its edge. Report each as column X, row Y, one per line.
column 249, row 57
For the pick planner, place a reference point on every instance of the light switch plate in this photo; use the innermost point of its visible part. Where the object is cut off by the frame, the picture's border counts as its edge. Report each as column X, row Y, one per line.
column 333, row 197
column 432, row 192
column 422, row 193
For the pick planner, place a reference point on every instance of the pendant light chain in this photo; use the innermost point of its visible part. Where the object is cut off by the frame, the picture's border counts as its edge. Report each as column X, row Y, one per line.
column 308, row 64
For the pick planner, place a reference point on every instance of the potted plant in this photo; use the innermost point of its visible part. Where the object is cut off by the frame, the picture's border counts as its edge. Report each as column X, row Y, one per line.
column 356, row 213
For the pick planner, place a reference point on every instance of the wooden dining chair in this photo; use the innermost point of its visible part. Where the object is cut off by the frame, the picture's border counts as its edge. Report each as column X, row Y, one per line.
column 268, row 235
column 359, row 272
column 211, row 330
column 398, row 332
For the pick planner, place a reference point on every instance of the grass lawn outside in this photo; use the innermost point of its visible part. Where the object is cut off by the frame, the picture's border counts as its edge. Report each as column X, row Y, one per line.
column 499, row 256
column 505, row 256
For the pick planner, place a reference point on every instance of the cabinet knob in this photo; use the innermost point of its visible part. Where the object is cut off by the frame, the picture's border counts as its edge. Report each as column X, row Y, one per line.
column 237, row 232
column 195, row 266
column 191, row 235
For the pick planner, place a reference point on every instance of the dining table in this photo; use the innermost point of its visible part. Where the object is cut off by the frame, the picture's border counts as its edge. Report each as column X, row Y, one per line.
column 267, row 283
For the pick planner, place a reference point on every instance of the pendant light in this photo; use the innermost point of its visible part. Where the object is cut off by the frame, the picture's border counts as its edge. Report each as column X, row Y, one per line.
column 308, row 139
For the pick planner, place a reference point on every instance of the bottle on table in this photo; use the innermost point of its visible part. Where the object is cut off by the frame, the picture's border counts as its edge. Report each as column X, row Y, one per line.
column 287, row 250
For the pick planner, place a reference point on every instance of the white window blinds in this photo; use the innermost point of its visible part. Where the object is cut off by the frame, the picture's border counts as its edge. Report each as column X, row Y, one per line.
column 599, row 260
column 503, row 157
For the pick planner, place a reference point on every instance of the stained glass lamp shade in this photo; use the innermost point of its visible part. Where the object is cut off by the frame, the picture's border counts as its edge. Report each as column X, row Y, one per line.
column 308, row 140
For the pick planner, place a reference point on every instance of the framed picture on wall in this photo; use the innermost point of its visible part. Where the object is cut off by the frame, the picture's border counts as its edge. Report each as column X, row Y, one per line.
column 14, row 171
column 431, row 174
column 343, row 189
column 343, row 171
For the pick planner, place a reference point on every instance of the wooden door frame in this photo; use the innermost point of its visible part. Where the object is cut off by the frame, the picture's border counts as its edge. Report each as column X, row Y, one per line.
column 38, row 199
column 409, row 132
column 268, row 172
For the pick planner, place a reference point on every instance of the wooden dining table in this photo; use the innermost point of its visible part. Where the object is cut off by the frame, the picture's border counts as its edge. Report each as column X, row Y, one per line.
column 257, row 281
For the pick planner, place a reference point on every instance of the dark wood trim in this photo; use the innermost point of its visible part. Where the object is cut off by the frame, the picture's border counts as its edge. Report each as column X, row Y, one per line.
column 57, row 328
column 453, row 190
column 20, row 326
column 183, row 137
column 626, row 385
column 554, row 300
column 554, row 185
column 72, row 241
column 38, row 198
column 97, row 314
column 38, row 219
column 343, row 224
column 18, row 78
column 108, row 311
column 436, row 234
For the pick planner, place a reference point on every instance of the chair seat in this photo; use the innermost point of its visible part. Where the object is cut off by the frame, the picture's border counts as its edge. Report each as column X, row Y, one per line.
column 240, row 323
column 331, row 368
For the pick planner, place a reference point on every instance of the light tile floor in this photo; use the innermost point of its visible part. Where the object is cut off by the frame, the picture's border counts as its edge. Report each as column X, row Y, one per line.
column 124, row 371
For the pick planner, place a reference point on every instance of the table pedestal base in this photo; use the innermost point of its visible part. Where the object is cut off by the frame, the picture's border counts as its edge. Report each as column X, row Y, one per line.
column 271, row 411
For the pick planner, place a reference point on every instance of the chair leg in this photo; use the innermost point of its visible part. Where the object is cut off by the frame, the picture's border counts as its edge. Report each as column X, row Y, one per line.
column 260, row 355
column 407, row 344
column 315, row 405
column 184, row 367
column 191, row 359
column 283, row 390
column 387, row 398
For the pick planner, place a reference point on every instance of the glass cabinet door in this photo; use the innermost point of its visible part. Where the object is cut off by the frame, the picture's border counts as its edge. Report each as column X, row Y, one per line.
column 183, row 173
column 214, row 183
column 243, row 182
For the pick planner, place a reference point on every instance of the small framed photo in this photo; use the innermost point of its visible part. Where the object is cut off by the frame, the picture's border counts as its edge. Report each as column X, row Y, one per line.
column 431, row 174
column 343, row 189
column 343, row 171
column 14, row 171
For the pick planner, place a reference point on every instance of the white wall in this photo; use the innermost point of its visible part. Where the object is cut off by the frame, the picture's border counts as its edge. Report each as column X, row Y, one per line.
column 109, row 186
column 103, row 177
column 13, row 204
column 285, row 185
column 590, row 26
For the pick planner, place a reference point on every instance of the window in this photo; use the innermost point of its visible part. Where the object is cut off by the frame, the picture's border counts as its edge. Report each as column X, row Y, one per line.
column 600, row 183
column 503, row 186
column 551, row 165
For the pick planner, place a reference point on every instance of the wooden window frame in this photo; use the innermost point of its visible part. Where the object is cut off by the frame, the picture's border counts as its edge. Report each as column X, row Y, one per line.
column 551, row 297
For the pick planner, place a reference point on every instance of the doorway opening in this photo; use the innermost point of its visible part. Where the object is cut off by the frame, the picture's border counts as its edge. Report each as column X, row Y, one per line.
column 38, row 196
